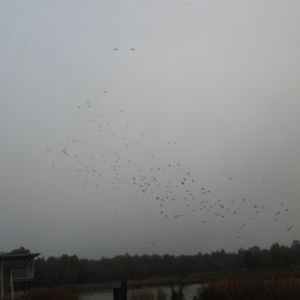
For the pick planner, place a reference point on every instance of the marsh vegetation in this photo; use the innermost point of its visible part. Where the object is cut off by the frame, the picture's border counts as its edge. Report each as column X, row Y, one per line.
column 250, row 288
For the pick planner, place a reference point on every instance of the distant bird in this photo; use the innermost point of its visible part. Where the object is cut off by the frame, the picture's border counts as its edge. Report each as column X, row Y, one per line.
column 132, row 49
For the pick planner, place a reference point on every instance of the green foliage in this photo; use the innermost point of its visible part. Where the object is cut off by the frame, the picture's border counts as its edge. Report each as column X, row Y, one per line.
column 252, row 260
column 69, row 269
column 21, row 250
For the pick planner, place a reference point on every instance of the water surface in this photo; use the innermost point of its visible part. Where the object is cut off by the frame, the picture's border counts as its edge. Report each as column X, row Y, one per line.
column 189, row 292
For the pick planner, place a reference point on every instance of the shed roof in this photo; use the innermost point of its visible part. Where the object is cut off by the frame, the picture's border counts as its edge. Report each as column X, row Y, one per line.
column 27, row 256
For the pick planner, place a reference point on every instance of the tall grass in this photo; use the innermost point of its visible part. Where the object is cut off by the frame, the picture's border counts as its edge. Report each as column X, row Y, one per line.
column 52, row 294
column 251, row 288
column 177, row 294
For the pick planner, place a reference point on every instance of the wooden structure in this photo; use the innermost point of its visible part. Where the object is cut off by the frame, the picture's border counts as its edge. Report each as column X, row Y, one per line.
column 120, row 290
column 16, row 269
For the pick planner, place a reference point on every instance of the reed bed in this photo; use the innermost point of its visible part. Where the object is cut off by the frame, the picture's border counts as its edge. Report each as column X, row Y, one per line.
column 251, row 289
column 149, row 295
column 51, row 294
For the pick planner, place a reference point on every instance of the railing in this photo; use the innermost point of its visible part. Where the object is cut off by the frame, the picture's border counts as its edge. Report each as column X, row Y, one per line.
column 1, row 282
column 12, row 293
column 22, row 274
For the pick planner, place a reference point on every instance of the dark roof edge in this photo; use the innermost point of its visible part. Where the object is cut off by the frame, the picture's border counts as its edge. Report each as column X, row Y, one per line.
column 24, row 256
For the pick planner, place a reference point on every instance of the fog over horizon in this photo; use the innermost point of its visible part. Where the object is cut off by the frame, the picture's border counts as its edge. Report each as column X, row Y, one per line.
column 142, row 127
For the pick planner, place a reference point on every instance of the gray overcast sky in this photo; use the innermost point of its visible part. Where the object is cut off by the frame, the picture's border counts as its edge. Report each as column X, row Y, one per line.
column 188, row 143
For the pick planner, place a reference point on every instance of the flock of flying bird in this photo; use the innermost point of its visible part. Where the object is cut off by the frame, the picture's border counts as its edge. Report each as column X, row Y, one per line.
column 108, row 153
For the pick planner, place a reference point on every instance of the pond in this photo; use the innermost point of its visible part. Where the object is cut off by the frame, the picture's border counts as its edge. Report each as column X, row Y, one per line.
column 189, row 292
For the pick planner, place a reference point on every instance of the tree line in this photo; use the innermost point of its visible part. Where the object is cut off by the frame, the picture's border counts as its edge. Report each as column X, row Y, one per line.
column 69, row 269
